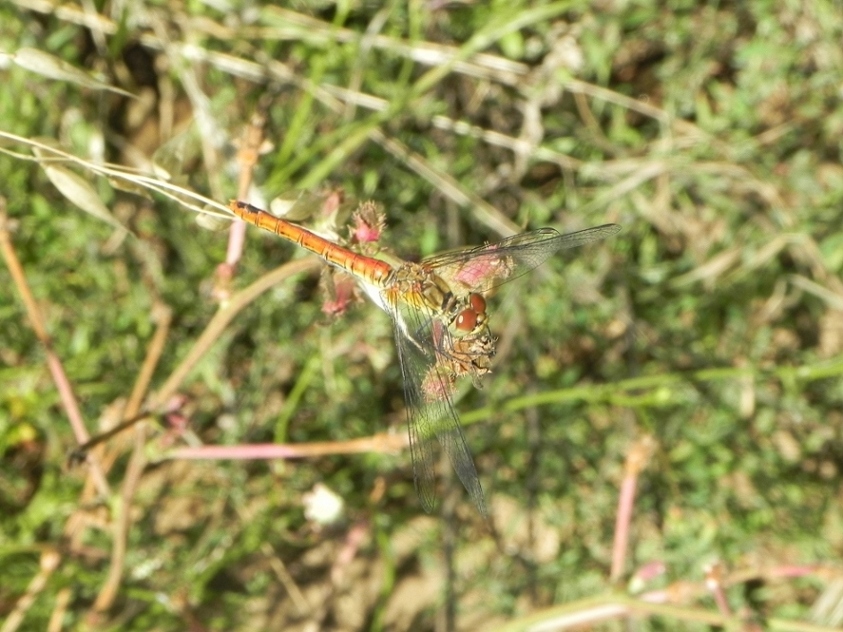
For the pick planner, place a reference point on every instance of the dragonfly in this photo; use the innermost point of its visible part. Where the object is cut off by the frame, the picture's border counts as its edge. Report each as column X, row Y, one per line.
column 441, row 325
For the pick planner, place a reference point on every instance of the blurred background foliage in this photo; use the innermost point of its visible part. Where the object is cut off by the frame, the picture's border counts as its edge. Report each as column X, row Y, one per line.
column 711, row 323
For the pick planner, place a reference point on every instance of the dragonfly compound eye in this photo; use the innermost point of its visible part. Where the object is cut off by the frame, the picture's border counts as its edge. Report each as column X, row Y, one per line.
column 478, row 303
column 466, row 320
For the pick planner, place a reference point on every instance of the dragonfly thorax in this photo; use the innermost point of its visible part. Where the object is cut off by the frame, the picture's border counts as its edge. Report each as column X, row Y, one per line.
column 424, row 289
column 420, row 287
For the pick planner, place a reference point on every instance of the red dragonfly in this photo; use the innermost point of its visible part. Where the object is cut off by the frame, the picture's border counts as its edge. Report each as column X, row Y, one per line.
column 441, row 326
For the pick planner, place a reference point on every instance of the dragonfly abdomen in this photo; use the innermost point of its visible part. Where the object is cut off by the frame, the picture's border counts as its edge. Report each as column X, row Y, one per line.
column 360, row 266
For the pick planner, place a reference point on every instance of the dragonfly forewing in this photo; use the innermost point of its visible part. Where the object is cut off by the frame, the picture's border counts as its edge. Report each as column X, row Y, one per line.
column 483, row 268
column 430, row 371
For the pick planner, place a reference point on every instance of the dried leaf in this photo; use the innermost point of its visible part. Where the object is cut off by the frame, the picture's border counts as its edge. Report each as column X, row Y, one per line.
column 47, row 142
column 52, row 67
column 77, row 190
column 170, row 159
column 212, row 222
column 295, row 205
column 129, row 186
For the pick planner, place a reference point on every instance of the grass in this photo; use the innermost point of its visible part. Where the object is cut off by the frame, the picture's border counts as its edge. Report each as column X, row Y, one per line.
column 681, row 380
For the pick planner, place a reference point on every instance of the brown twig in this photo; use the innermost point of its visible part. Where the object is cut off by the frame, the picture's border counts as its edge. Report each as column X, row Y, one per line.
column 162, row 315
column 158, row 401
column 68, row 399
column 131, row 413
column 279, row 568
column 50, row 560
column 56, row 623
column 80, row 453
column 108, row 592
column 220, row 321
column 381, row 443
column 580, row 614
column 339, row 569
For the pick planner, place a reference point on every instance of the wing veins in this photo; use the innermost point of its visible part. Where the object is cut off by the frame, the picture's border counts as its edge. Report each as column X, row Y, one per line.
column 431, row 417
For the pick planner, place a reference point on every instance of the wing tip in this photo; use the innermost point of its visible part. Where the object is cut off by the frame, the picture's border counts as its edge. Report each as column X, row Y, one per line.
column 426, row 496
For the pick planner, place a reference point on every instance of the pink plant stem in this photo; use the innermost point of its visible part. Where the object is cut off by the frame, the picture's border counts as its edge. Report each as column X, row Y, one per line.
column 714, row 583
column 353, row 541
column 637, row 458
column 626, row 502
column 251, row 145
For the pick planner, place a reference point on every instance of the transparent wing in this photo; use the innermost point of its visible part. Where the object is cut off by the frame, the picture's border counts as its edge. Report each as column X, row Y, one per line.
column 428, row 384
column 483, row 268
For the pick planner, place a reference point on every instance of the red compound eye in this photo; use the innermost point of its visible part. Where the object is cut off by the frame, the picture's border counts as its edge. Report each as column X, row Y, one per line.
column 466, row 320
column 478, row 303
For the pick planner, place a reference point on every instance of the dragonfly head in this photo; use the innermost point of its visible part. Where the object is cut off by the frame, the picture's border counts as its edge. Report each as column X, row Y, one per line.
column 472, row 315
